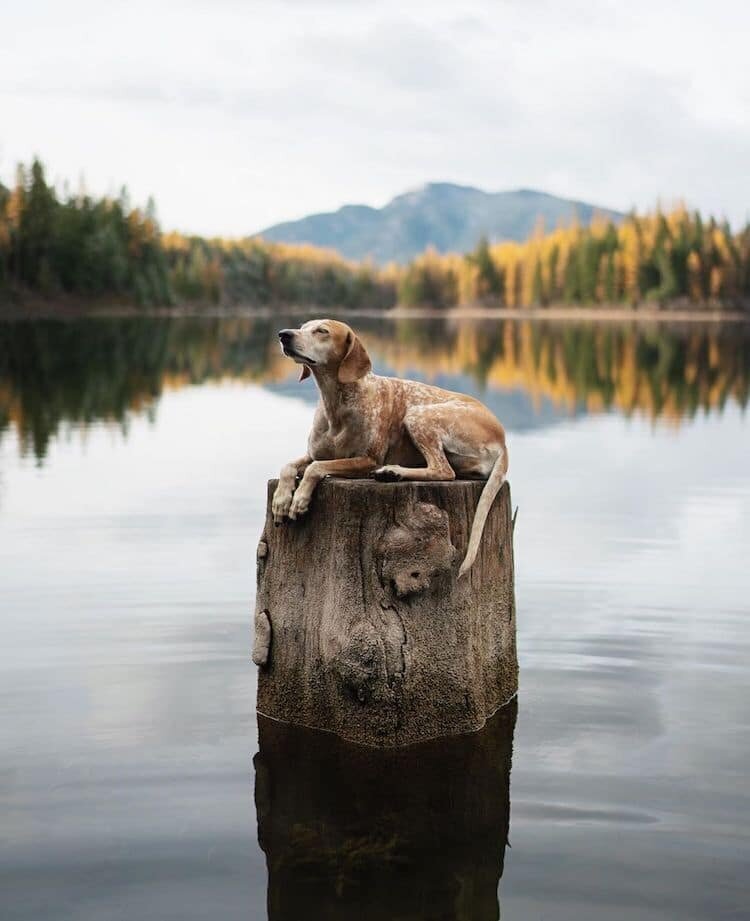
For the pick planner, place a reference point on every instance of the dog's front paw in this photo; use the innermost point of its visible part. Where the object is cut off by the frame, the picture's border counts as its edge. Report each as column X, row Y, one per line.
column 282, row 501
column 387, row 474
column 300, row 504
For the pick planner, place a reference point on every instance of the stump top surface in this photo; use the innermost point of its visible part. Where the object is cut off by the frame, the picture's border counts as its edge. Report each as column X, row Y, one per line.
column 368, row 483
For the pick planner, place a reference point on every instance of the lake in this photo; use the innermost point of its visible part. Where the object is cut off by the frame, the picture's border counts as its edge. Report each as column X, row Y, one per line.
column 133, row 459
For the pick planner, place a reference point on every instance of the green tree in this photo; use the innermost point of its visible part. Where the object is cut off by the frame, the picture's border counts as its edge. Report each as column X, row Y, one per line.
column 489, row 278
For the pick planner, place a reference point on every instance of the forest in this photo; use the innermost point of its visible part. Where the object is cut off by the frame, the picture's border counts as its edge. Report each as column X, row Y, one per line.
column 104, row 250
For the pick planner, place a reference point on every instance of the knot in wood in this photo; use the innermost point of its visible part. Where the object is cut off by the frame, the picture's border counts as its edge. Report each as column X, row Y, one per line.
column 416, row 550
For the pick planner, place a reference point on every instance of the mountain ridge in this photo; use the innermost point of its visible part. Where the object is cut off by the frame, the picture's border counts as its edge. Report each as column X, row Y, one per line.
column 444, row 215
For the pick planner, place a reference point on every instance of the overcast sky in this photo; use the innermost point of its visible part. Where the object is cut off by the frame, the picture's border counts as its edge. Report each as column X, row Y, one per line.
column 237, row 114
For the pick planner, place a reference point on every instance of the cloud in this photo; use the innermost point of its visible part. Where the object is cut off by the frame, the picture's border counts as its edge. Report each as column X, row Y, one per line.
column 245, row 114
column 405, row 55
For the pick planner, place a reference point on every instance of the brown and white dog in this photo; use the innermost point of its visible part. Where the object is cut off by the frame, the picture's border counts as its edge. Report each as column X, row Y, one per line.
column 393, row 429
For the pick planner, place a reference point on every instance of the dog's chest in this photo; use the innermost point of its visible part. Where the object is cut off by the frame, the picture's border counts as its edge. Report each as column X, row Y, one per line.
column 347, row 434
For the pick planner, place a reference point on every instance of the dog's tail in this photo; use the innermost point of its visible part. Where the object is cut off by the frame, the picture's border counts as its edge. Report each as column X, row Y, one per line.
column 491, row 488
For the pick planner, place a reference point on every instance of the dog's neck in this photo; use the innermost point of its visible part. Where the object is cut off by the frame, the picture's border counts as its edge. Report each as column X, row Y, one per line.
column 333, row 393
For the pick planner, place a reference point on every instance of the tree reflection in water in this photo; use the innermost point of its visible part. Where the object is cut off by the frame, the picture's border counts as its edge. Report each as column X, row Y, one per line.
column 55, row 373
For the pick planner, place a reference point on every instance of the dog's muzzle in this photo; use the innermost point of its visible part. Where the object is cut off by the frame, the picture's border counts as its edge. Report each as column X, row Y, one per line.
column 286, row 338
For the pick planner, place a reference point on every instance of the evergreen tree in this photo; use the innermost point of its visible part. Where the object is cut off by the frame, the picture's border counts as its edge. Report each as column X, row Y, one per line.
column 489, row 278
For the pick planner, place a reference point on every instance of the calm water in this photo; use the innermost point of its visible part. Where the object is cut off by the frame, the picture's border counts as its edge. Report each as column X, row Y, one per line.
column 133, row 455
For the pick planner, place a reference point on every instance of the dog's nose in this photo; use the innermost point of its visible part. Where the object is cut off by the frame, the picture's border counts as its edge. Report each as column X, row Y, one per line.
column 285, row 335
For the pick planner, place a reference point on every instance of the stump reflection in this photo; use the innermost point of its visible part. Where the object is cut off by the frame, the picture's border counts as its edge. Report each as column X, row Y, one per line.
column 416, row 833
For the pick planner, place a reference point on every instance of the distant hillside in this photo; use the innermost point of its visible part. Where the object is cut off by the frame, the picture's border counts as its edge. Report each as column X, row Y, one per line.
column 451, row 218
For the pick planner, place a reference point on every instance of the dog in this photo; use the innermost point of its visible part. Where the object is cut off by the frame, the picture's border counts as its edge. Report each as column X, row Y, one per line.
column 386, row 427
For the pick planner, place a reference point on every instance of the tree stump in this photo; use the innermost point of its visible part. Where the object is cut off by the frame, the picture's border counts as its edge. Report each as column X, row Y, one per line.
column 362, row 626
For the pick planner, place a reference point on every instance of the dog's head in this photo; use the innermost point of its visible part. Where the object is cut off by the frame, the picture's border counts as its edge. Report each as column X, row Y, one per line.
column 326, row 344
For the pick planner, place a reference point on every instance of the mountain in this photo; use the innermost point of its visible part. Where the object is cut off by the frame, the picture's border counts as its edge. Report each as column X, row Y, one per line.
column 451, row 218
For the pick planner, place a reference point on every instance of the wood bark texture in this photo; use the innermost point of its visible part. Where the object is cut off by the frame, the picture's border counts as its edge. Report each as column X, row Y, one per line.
column 362, row 626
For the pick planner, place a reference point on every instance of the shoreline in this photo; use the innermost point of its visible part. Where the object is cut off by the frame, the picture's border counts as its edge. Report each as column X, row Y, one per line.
column 71, row 310
column 607, row 314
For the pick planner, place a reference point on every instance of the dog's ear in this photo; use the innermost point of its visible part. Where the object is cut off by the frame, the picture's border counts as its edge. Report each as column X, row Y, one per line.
column 356, row 363
column 305, row 372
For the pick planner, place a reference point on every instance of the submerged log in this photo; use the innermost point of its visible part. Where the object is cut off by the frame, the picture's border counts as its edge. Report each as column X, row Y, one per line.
column 362, row 626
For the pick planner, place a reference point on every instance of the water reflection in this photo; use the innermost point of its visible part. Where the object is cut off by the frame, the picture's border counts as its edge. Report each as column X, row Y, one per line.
column 414, row 833
column 54, row 373
column 127, row 687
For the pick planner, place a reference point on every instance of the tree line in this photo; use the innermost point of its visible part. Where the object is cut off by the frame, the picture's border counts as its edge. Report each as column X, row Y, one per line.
column 103, row 248
column 77, row 244
column 658, row 258
column 74, row 244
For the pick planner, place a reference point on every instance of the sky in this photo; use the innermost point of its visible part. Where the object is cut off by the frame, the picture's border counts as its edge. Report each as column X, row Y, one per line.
column 236, row 115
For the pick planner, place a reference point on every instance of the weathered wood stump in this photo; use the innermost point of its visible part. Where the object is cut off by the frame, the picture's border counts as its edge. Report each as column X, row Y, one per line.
column 362, row 626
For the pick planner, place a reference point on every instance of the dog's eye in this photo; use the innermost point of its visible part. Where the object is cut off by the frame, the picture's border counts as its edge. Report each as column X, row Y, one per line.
column 322, row 330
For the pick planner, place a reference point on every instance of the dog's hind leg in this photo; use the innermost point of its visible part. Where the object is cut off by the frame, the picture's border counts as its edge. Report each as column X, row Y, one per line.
column 425, row 428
